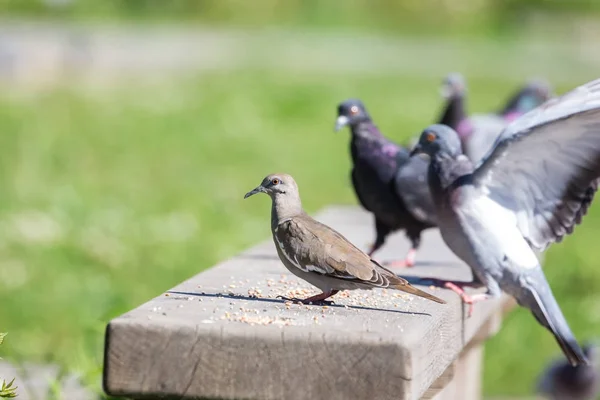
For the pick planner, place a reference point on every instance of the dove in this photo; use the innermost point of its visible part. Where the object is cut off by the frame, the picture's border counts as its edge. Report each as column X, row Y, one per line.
column 388, row 183
column 317, row 253
column 531, row 190
column 562, row 381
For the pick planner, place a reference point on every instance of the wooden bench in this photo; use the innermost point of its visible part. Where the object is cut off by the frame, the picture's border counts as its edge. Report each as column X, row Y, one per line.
column 223, row 334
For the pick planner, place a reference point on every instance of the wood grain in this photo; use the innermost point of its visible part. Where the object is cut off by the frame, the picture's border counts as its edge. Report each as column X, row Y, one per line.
column 209, row 338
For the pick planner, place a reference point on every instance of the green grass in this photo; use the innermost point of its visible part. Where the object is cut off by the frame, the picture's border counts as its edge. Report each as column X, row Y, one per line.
column 399, row 16
column 112, row 196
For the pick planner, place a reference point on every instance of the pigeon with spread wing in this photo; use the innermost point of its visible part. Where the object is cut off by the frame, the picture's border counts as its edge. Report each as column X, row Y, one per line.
column 530, row 190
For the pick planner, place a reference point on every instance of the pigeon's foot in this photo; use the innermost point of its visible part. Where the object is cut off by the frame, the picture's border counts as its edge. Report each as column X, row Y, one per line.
column 467, row 299
column 318, row 299
column 470, row 300
column 372, row 249
column 408, row 262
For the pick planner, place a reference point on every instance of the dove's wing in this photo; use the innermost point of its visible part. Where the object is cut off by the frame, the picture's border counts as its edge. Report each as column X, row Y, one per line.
column 545, row 166
column 337, row 258
column 316, row 248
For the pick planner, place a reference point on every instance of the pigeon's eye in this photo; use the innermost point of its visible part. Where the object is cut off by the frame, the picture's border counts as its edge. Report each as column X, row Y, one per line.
column 430, row 137
column 275, row 181
column 354, row 110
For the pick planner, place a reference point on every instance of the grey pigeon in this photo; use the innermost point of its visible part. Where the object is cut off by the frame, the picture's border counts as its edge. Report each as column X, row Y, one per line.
column 318, row 254
column 562, row 381
column 387, row 181
column 454, row 113
column 533, row 94
column 479, row 131
column 530, row 191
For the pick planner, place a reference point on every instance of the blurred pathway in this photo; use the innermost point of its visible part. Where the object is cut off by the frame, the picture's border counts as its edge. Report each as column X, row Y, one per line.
column 34, row 53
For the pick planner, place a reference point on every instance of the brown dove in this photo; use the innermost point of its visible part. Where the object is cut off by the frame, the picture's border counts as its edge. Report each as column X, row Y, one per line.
column 319, row 254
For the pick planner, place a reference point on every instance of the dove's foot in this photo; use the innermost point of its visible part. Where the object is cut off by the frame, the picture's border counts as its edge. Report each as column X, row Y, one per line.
column 467, row 299
column 318, row 299
column 408, row 262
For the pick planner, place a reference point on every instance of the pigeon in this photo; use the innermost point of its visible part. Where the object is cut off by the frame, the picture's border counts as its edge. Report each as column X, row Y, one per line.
column 529, row 192
column 387, row 182
column 317, row 253
column 454, row 114
column 561, row 381
column 478, row 132
column 533, row 94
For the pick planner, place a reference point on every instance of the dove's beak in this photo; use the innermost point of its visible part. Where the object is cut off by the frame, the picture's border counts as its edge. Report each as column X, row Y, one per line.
column 341, row 122
column 258, row 189
column 416, row 150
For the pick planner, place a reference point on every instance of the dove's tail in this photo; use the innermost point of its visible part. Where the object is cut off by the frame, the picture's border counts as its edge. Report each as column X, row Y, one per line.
column 398, row 283
column 544, row 307
column 408, row 288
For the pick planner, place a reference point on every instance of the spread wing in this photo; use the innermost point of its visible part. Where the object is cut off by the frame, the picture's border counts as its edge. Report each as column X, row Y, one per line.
column 410, row 184
column 545, row 166
column 486, row 128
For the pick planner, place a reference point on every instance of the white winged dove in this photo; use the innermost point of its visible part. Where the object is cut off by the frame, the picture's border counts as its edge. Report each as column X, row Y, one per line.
column 318, row 254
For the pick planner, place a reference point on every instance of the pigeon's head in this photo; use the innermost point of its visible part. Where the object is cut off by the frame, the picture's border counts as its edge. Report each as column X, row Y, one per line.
column 536, row 92
column 276, row 185
column 453, row 86
column 438, row 139
column 351, row 112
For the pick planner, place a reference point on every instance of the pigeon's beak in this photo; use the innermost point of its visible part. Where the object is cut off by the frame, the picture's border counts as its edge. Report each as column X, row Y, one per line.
column 446, row 91
column 341, row 122
column 416, row 150
column 258, row 189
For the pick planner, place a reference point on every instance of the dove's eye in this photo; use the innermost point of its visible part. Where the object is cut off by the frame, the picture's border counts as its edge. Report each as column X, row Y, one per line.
column 354, row 110
column 430, row 137
column 275, row 181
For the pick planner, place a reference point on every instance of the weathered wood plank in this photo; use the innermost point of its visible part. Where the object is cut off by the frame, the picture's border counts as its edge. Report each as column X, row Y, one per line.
column 209, row 338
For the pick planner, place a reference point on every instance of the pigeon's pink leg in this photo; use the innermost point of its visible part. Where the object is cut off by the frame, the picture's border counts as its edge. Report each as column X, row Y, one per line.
column 467, row 299
column 408, row 262
column 372, row 250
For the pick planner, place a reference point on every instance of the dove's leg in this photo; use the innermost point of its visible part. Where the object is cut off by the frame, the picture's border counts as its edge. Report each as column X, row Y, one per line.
column 382, row 231
column 316, row 299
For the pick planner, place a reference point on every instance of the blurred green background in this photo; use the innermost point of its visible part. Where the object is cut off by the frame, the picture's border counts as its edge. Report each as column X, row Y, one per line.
column 119, row 181
column 392, row 15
